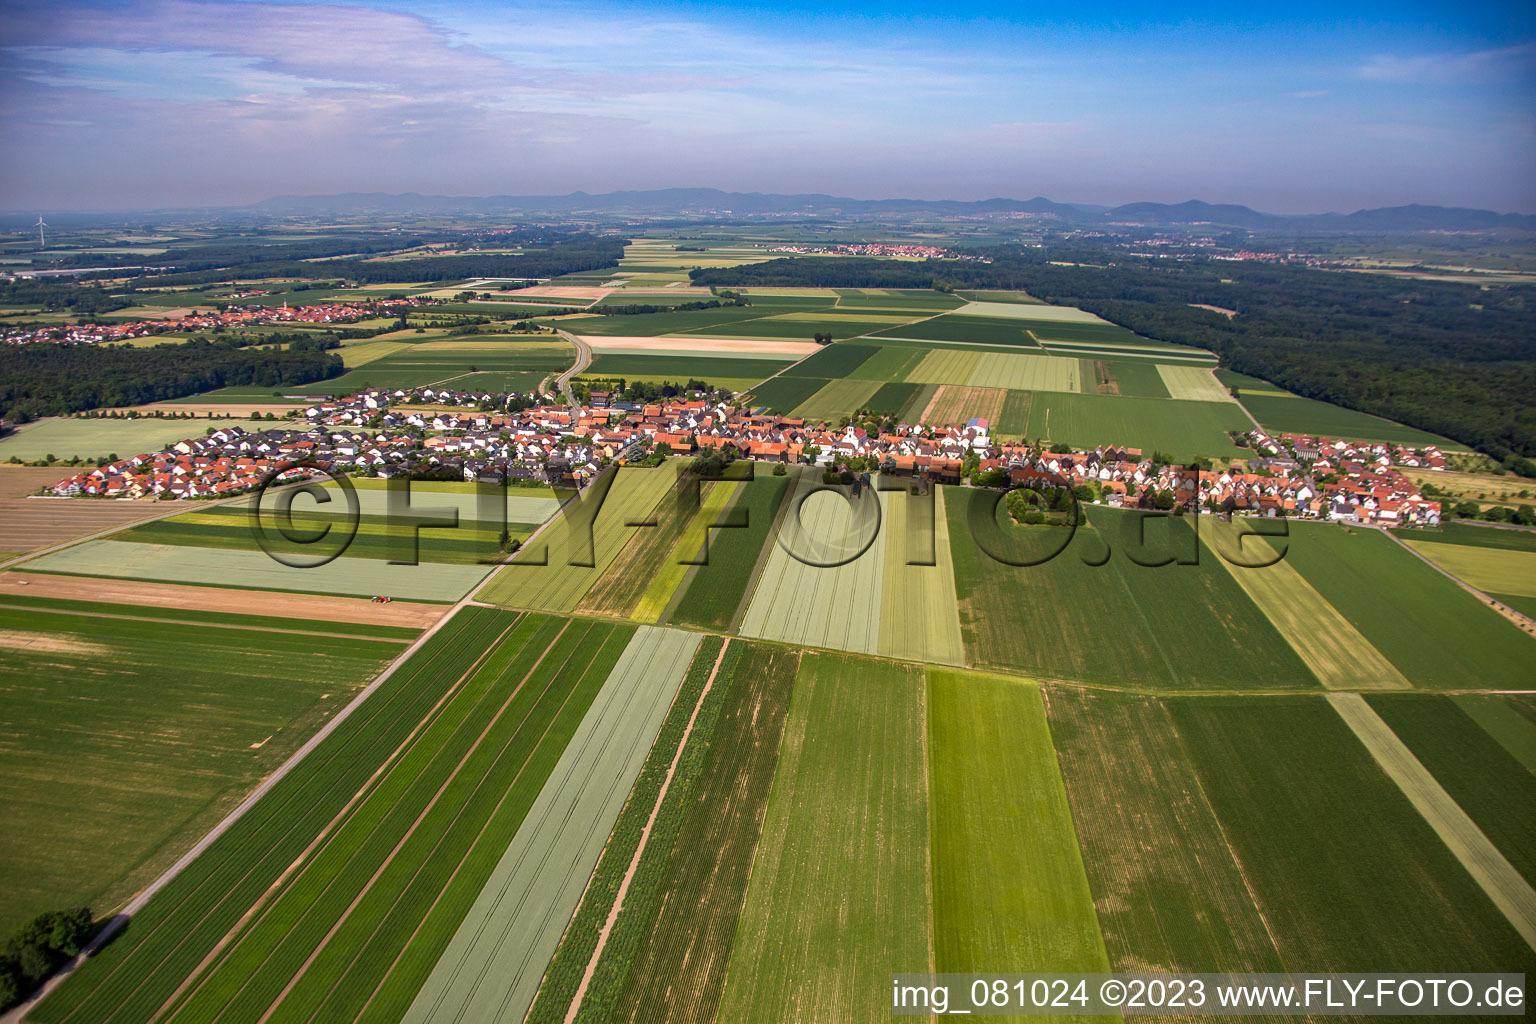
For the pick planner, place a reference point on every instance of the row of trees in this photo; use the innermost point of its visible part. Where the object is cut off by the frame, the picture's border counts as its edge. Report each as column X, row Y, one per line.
column 38, row 948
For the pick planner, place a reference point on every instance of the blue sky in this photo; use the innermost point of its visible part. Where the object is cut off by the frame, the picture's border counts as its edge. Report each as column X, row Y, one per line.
column 1288, row 108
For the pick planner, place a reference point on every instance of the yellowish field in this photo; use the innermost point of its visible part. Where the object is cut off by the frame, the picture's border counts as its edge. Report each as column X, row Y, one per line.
column 945, row 366
column 1192, row 383
column 1327, row 642
column 1493, row 570
column 361, row 355
column 919, row 616
column 688, row 549
column 1027, row 372
column 558, row 586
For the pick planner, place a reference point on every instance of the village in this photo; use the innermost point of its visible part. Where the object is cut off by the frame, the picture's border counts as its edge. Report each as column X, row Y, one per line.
column 216, row 320
column 444, row 433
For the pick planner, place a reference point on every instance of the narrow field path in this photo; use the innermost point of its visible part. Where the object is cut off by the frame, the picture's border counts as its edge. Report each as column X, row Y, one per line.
column 1505, row 886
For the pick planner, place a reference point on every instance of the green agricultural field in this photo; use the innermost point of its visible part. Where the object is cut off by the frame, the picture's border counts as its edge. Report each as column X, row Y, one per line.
column 891, row 399
column 919, row 620
column 1282, row 412
column 1346, row 873
column 495, row 960
column 821, row 584
column 642, row 836
column 983, row 330
column 839, row 360
column 1132, row 379
column 496, row 361
column 135, row 975
column 245, row 569
column 1182, row 429
column 888, row 363
column 1014, row 420
column 1437, row 634
column 1473, row 535
column 66, row 438
column 542, row 575
column 678, row 969
column 783, row 393
column 854, row 298
column 648, row 553
column 837, row 399
column 1112, row 622
column 712, row 593
column 805, row 326
column 710, row 322
column 1485, row 779
column 1493, row 570
column 840, row 893
column 1008, row 880
column 1169, row 893
column 97, row 807
column 661, row 583
column 681, row 367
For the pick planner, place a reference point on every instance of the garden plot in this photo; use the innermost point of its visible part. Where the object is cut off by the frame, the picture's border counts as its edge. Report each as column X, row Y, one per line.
column 821, row 586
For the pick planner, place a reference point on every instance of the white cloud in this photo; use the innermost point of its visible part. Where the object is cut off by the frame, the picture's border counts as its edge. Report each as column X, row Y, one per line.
column 1449, row 67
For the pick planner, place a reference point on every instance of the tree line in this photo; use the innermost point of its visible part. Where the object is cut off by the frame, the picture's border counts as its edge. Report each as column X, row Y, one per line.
column 54, row 380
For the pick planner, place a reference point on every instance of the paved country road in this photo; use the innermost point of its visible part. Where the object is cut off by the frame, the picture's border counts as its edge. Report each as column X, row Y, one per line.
column 583, row 360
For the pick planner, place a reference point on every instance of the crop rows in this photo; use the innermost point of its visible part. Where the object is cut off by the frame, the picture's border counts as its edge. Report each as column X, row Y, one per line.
column 570, row 961
column 133, row 976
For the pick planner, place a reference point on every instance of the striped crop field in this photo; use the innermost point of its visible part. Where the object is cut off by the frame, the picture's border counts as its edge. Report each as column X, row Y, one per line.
column 144, row 969
column 836, row 399
column 491, row 968
column 1008, row 879
column 821, row 585
column 648, row 553
column 919, row 620
column 945, row 366
column 1192, row 383
column 591, row 534
column 954, row 404
column 663, row 583
column 714, row 592
column 1027, row 372
column 840, row 893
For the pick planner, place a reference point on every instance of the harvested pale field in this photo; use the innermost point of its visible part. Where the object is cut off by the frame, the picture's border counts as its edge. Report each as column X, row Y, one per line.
column 314, row 609
column 1008, row 879
column 1228, row 313
column 821, row 584
column 491, row 969
column 563, row 291
column 1027, row 372
column 1169, row 894
column 543, row 577
column 1491, row 570
column 840, row 892
column 20, row 481
column 837, row 399
column 1192, row 383
column 30, row 523
column 1030, row 311
column 1340, row 656
column 945, row 366
column 172, row 563
column 689, row 344
column 953, row 404
column 1510, row 892
column 919, row 616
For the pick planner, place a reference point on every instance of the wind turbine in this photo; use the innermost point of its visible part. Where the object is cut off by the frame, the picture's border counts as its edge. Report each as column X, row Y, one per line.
column 41, row 241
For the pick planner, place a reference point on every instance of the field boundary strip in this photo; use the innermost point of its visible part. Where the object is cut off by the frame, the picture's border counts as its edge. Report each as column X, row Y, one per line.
column 1510, row 892
column 133, row 906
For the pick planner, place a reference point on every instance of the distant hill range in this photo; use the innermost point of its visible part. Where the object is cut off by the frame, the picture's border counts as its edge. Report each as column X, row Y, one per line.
column 688, row 203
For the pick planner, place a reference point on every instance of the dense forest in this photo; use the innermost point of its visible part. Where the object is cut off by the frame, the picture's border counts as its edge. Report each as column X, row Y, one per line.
column 1455, row 359
column 50, row 380
column 550, row 257
column 60, row 296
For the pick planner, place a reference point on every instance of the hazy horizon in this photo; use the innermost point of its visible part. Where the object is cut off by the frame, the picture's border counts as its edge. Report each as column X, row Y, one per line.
column 116, row 107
